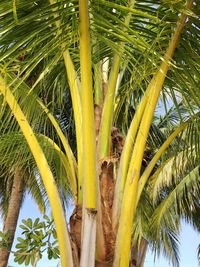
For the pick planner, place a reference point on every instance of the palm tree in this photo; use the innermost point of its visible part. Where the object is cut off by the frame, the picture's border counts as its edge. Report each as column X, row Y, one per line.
column 117, row 59
column 20, row 175
column 10, row 222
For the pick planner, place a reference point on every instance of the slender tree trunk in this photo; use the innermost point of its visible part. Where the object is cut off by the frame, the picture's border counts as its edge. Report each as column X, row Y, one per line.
column 138, row 254
column 10, row 223
column 142, row 253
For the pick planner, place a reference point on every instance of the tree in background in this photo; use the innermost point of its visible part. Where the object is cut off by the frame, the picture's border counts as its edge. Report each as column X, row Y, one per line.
column 117, row 59
column 19, row 175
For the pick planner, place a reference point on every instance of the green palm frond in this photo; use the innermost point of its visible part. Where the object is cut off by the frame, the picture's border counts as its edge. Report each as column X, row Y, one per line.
column 172, row 116
column 144, row 41
column 144, row 212
column 170, row 172
column 180, row 157
column 166, row 242
column 14, row 152
column 35, row 188
column 36, row 22
column 174, row 202
column 179, row 196
column 169, row 246
column 35, row 112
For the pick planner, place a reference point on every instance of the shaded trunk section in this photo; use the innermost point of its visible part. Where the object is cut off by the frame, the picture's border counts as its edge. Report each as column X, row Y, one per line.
column 107, row 194
column 138, row 254
column 10, row 223
column 104, row 264
column 107, row 187
column 75, row 232
column 97, row 119
column 100, row 240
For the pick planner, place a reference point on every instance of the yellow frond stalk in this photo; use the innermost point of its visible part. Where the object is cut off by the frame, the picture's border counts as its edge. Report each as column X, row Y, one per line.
column 108, row 107
column 156, row 157
column 89, row 154
column 123, row 242
column 66, row 165
column 125, row 159
column 89, row 170
column 77, row 107
column 74, row 86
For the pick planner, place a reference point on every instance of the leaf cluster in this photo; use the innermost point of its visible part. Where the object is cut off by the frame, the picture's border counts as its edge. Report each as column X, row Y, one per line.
column 36, row 237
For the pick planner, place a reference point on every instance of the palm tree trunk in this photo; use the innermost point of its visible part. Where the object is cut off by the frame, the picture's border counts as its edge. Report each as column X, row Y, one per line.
column 138, row 254
column 10, row 223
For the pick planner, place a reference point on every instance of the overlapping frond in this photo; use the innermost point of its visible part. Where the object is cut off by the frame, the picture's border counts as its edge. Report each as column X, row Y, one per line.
column 174, row 202
column 163, row 238
column 14, row 153
column 178, row 159
column 37, row 57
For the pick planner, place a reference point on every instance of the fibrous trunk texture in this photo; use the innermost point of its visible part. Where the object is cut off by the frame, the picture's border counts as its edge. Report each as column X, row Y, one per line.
column 107, row 187
column 107, row 193
column 75, row 231
column 10, row 223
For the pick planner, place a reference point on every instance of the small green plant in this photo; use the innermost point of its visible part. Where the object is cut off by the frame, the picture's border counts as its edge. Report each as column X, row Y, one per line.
column 36, row 238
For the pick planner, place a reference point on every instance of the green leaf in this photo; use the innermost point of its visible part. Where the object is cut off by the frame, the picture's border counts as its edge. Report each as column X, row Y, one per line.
column 50, row 253
column 36, row 222
column 27, row 260
column 21, row 245
column 21, row 239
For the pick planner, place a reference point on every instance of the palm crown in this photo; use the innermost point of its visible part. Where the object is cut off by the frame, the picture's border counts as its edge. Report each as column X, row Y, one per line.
column 110, row 62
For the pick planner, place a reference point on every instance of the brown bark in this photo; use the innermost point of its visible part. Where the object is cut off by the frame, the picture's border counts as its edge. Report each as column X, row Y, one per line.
column 138, row 254
column 142, row 252
column 104, row 264
column 107, row 186
column 10, row 223
column 117, row 142
column 75, row 254
column 107, row 194
column 75, row 232
column 97, row 119
column 100, row 240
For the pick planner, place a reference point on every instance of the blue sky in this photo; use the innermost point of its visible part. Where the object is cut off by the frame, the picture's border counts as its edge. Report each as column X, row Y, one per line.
column 188, row 249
